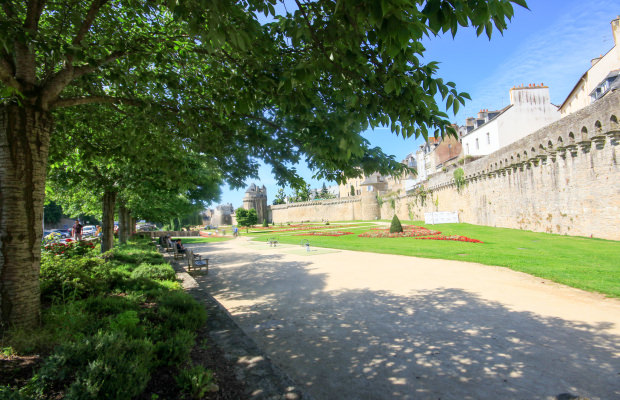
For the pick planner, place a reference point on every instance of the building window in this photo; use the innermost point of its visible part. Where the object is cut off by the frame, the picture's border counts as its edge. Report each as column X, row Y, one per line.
column 488, row 138
column 477, row 145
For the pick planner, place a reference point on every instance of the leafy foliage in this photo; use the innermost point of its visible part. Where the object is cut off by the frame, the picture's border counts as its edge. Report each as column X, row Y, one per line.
column 395, row 225
column 280, row 197
column 197, row 381
column 459, row 179
column 118, row 324
column 245, row 217
column 160, row 272
column 301, row 87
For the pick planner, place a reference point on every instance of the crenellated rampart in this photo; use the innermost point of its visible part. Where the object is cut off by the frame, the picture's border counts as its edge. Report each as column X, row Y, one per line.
column 563, row 178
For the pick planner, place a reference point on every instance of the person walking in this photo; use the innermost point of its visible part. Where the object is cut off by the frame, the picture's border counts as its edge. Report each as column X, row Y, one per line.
column 77, row 230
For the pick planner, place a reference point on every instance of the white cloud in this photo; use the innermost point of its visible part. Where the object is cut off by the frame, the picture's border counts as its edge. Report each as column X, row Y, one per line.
column 556, row 55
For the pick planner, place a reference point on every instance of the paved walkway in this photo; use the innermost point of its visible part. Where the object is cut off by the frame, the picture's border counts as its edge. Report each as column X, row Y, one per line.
column 352, row 325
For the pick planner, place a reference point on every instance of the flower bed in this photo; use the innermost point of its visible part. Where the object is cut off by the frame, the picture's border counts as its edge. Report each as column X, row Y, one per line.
column 456, row 238
column 417, row 232
column 408, row 231
column 337, row 233
column 304, row 228
column 69, row 248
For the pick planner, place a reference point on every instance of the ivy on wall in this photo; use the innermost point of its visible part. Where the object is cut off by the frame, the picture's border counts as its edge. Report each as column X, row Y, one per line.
column 459, row 179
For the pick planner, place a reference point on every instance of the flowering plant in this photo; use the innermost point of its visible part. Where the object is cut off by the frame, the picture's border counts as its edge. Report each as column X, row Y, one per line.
column 301, row 228
column 456, row 238
column 335, row 234
column 408, row 231
column 69, row 248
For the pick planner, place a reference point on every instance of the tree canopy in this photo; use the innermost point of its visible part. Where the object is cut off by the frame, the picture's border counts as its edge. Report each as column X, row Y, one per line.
column 301, row 86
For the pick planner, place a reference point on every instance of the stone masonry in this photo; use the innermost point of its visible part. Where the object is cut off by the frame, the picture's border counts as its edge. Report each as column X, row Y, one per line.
column 563, row 178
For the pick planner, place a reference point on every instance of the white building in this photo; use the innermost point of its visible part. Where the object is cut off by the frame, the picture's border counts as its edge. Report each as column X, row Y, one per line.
column 598, row 80
column 530, row 109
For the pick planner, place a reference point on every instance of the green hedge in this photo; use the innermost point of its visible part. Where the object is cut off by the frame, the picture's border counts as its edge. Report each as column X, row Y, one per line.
column 109, row 322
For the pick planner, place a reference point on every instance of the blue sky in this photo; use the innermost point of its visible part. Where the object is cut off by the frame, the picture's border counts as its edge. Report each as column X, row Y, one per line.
column 552, row 43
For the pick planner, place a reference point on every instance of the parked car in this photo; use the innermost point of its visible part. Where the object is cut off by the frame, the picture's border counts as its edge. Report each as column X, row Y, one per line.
column 89, row 230
column 49, row 234
column 64, row 233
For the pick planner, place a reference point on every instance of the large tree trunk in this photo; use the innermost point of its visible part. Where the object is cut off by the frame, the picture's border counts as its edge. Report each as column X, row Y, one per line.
column 24, row 146
column 123, row 216
column 107, row 224
column 132, row 225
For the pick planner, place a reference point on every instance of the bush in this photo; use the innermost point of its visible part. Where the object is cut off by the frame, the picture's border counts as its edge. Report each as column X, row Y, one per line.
column 69, row 249
column 175, row 349
column 395, row 226
column 64, row 278
column 160, row 272
column 178, row 310
column 135, row 254
column 105, row 366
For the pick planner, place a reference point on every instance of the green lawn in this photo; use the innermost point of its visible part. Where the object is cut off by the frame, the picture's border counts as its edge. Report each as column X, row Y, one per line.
column 585, row 263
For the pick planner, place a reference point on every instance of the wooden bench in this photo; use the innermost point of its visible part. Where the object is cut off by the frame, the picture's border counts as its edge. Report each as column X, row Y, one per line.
column 273, row 242
column 177, row 253
column 168, row 246
column 195, row 261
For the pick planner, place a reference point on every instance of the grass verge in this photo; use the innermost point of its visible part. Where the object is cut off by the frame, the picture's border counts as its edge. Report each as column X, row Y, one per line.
column 584, row 263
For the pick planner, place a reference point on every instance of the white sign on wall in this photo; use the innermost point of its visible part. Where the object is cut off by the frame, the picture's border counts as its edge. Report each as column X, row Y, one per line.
column 441, row 217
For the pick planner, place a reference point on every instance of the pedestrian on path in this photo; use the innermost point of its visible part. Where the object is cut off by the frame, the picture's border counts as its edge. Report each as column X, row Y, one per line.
column 76, row 230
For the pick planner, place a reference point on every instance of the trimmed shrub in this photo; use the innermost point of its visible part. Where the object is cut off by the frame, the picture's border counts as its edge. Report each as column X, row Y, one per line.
column 160, row 272
column 395, row 226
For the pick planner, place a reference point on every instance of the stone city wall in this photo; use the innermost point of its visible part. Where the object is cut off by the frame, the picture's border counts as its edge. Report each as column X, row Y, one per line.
column 563, row 178
column 346, row 209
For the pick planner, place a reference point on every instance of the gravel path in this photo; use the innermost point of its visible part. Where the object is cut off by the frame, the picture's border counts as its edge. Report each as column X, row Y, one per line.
column 353, row 325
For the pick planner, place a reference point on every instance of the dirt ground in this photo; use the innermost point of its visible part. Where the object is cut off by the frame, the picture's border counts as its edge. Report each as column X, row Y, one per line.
column 353, row 325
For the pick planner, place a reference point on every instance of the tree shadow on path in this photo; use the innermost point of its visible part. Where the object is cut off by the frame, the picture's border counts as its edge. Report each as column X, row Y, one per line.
column 443, row 343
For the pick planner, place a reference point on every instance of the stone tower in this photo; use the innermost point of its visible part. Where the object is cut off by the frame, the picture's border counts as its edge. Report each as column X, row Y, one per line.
column 256, row 198
column 222, row 215
column 370, row 205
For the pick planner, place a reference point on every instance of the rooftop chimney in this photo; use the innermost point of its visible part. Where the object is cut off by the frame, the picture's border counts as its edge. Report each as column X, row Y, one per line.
column 615, row 28
column 595, row 60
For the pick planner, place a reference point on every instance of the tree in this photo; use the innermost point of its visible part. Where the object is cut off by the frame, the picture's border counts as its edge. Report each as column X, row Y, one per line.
column 280, row 197
column 302, row 86
column 97, row 162
column 395, row 225
column 324, row 192
column 52, row 213
column 246, row 218
column 302, row 193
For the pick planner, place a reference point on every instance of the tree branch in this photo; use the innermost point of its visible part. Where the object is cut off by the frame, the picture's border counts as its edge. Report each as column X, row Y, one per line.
column 55, row 86
column 7, row 9
column 76, row 101
column 33, row 14
column 88, row 20
column 87, row 69
column 6, row 75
